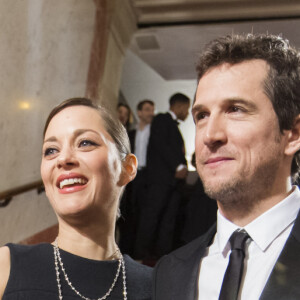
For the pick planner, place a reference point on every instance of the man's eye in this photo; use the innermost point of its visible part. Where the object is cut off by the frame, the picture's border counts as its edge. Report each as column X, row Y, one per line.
column 236, row 109
column 200, row 116
column 49, row 151
column 86, row 143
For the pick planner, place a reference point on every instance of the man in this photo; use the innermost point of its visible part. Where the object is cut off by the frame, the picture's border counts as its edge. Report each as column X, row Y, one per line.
column 246, row 113
column 166, row 165
column 136, row 190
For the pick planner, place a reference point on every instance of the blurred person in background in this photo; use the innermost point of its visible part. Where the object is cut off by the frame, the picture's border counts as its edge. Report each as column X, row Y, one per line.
column 124, row 115
column 166, row 169
column 136, row 191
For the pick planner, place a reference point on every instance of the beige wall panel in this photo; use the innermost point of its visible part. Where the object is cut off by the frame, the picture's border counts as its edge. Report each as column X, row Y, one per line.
column 27, row 214
column 44, row 54
column 45, row 51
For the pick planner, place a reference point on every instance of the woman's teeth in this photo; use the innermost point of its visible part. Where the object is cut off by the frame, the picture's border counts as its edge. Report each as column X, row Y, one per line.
column 71, row 181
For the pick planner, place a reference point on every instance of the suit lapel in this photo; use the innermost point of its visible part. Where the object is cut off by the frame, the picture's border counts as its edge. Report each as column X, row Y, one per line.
column 284, row 281
column 187, row 264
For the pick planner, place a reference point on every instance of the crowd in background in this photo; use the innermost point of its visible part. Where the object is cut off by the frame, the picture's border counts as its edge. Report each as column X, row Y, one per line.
column 160, row 211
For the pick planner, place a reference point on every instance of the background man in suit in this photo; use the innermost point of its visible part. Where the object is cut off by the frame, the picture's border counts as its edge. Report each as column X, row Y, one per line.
column 136, row 191
column 166, row 165
column 246, row 113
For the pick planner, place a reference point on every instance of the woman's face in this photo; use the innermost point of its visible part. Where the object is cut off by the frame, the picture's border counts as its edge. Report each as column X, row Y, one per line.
column 80, row 165
column 123, row 114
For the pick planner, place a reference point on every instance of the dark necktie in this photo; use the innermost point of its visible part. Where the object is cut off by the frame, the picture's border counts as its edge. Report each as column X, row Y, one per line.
column 233, row 275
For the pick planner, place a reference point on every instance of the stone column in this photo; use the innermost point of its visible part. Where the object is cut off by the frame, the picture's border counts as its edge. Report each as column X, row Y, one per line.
column 115, row 23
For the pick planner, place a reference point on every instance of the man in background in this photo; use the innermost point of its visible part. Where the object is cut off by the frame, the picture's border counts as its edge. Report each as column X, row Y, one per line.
column 166, row 166
column 136, row 191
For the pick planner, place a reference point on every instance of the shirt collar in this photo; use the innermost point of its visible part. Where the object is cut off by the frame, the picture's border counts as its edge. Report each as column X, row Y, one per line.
column 277, row 218
column 146, row 127
column 174, row 117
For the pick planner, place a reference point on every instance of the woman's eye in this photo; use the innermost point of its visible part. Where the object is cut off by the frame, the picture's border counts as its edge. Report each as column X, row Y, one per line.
column 86, row 143
column 49, row 151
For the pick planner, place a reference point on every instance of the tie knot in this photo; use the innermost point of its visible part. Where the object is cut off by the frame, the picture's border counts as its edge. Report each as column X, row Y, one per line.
column 238, row 239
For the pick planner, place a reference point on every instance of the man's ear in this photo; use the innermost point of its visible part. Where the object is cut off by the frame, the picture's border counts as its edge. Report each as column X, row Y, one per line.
column 129, row 169
column 293, row 144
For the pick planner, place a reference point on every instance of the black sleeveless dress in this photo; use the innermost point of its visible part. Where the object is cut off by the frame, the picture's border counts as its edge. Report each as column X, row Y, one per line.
column 33, row 276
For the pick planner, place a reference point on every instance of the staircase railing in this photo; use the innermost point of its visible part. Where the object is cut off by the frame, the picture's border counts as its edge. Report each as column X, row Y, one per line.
column 7, row 196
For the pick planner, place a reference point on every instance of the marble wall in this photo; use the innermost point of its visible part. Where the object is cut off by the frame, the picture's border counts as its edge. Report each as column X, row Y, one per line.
column 45, row 54
column 42, row 63
column 27, row 214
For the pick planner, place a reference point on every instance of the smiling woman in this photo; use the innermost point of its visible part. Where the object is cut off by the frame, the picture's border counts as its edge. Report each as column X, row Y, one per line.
column 86, row 163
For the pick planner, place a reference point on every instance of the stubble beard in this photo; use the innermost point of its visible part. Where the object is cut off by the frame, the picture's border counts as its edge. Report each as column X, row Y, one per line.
column 243, row 192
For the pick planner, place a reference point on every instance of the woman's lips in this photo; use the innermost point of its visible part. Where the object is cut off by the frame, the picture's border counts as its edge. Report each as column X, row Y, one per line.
column 72, row 189
column 71, row 180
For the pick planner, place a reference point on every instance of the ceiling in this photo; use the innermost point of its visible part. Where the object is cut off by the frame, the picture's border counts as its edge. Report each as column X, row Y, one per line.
column 172, row 32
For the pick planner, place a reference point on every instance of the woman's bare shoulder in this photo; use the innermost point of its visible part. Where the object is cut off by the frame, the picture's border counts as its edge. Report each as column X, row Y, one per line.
column 4, row 268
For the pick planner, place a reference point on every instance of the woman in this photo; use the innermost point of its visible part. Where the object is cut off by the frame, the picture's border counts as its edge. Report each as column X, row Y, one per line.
column 124, row 115
column 85, row 165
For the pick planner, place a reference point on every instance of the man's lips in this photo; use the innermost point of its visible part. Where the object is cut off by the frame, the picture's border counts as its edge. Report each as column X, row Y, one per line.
column 70, row 179
column 216, row 160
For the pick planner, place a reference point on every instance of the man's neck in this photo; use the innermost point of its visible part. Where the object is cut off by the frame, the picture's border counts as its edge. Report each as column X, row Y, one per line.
column 242, row 215
column 142, row 125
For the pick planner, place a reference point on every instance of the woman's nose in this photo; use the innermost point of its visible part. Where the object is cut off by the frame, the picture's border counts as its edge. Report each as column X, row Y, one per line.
column 67, row 159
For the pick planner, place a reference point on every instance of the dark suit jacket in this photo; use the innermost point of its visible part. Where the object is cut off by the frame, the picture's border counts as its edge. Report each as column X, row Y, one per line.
column 165, row 149
column 176, row 275
column 131, row 135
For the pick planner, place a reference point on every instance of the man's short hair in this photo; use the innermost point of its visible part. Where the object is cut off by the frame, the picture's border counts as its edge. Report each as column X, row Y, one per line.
column 178, row 98
column 282, row 85
column 143, row 102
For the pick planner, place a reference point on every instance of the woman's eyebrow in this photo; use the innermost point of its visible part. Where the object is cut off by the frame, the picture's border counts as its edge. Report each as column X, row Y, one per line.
column 76, row 133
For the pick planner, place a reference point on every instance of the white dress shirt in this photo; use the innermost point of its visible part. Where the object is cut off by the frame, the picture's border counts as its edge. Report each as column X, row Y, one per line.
column 174, row 117
column 141, row 144
column 268, row 233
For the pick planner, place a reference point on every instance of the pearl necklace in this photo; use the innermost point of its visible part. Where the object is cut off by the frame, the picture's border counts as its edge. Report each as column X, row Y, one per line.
column 58, row 262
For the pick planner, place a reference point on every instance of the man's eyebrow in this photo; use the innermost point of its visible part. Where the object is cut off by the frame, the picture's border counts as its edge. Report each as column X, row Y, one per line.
column 247, row 103
column 197, row 107
column 75, row 134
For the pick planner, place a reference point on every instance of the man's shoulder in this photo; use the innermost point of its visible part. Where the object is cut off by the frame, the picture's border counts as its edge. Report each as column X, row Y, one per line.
column 175, row 274
column 193, row 248
column 162, row 117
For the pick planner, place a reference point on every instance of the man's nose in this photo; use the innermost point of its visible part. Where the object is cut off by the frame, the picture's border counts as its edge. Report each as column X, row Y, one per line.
column 215, row 131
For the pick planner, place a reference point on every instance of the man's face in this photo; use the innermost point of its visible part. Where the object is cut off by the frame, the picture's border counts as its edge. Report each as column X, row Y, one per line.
column 239, row 147
column 146, row 114
column 183, row 111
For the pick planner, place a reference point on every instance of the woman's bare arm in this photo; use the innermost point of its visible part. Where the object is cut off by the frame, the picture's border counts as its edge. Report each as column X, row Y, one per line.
column 4, row 268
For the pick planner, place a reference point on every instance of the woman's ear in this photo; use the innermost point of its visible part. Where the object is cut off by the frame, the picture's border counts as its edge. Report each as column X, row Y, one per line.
column 129, row 169
column 293, row 143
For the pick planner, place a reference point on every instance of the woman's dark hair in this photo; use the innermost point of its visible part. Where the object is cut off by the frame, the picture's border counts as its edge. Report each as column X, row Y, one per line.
column 112, row 125
column 282, row 84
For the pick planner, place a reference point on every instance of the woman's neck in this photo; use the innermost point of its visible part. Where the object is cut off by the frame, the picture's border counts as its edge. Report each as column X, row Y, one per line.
column 93, row 242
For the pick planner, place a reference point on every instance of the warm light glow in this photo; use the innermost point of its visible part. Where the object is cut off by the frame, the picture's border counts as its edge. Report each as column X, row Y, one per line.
column 24, row 105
